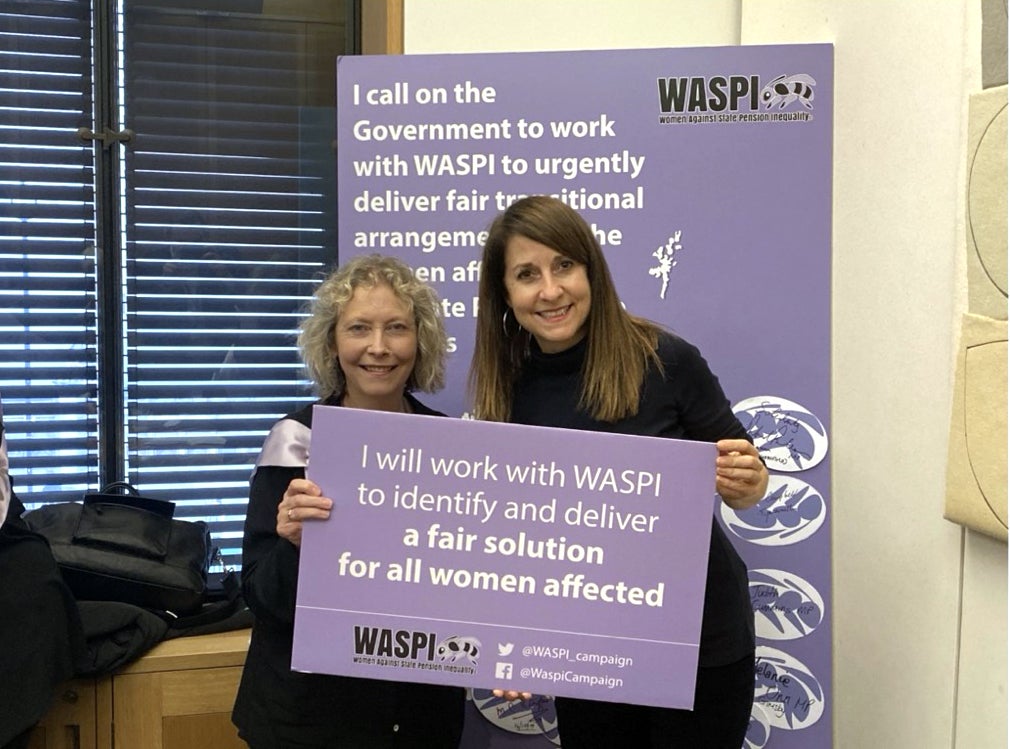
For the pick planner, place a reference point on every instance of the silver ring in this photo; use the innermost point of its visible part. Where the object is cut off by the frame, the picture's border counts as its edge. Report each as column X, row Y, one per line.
column 289, row 513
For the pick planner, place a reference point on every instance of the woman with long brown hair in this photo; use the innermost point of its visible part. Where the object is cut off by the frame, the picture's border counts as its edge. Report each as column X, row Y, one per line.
column 554, row 347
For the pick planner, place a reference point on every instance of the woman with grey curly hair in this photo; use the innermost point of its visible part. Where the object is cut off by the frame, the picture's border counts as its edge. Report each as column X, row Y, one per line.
column 373, row 335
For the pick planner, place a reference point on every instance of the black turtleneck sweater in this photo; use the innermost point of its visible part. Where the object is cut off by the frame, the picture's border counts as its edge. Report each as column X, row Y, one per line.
column 685, row 401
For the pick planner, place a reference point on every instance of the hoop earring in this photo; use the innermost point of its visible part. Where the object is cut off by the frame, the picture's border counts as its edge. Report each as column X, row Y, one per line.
column 504, row 324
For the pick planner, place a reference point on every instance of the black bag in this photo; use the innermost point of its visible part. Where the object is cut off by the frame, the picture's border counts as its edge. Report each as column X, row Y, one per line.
column 127, row 548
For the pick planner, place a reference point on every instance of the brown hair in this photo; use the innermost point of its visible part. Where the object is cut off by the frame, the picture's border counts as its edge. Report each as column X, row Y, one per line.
column 620, row 345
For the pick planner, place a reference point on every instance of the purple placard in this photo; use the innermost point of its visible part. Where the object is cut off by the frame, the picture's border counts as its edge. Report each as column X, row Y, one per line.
column 479, row 554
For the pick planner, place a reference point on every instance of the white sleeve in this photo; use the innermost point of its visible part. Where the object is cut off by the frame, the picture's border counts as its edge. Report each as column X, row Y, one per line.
column 287, row 446
column 5, row 481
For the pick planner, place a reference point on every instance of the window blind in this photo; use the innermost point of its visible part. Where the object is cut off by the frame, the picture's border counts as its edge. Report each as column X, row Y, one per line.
column 48, row 361
column 229, row 195
column 224, row 226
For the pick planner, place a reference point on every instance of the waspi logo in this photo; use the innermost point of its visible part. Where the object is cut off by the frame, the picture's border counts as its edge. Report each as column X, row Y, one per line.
column 415, row 649
column 735, row 98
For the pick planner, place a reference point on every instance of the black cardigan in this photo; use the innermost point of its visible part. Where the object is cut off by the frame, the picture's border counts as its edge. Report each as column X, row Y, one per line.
column 279, row 708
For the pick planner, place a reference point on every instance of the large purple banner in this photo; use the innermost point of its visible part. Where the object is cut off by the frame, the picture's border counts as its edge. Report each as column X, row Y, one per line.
column 706, row 174
column 482, row 555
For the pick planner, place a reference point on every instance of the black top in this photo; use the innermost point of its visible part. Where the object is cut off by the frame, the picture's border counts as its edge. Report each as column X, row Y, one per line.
column 41, row 639
column 685, row 401
column 280, row 708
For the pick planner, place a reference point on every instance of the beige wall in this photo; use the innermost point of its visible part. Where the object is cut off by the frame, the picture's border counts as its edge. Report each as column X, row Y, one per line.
column 920, row 606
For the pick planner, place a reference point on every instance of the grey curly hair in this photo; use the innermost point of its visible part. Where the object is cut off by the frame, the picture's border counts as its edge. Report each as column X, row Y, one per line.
column 316, row 339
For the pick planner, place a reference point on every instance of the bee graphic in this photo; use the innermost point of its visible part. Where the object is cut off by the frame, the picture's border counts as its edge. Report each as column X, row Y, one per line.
column 786, row 89
column 457, row 647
